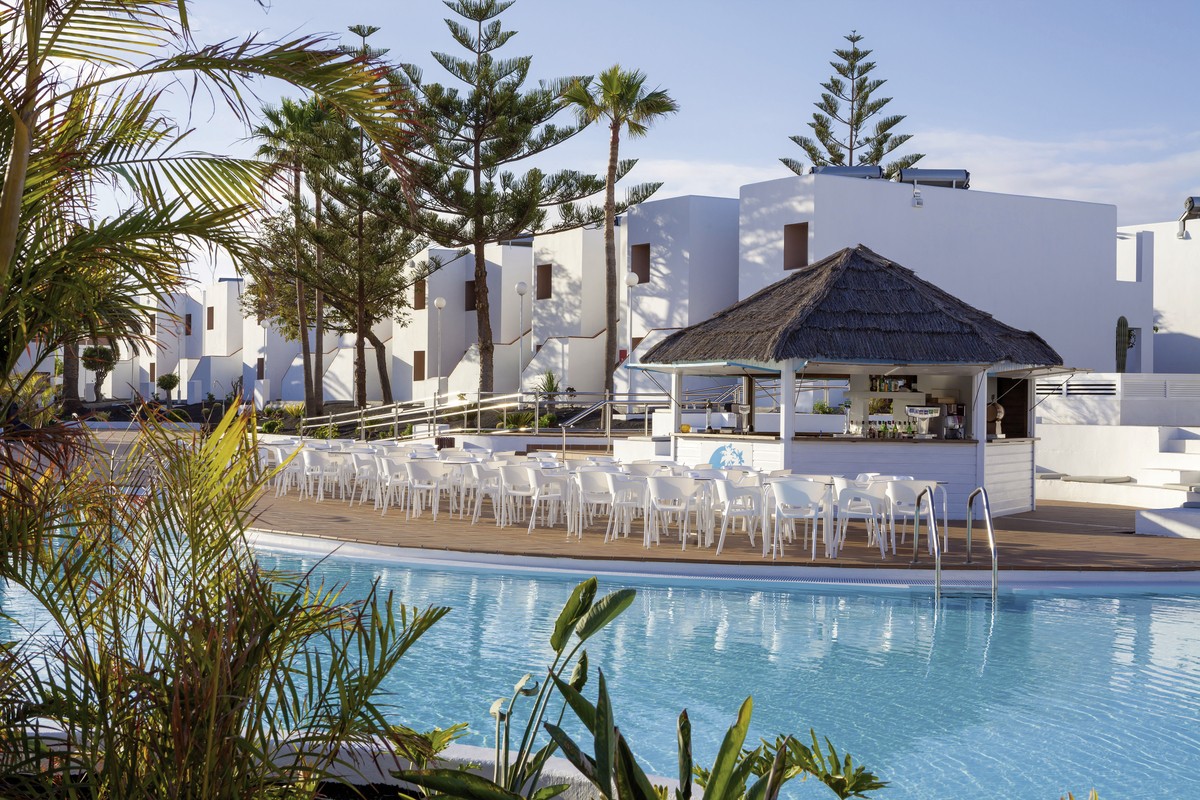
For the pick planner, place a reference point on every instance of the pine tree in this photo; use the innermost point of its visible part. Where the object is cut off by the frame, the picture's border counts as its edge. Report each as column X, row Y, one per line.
column 854, row 86
column 465, row 195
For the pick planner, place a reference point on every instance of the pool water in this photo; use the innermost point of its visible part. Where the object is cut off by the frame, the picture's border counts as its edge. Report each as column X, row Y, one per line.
column 1030, row 698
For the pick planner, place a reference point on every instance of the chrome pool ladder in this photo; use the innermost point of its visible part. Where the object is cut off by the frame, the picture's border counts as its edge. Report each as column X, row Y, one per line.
column 981, row 494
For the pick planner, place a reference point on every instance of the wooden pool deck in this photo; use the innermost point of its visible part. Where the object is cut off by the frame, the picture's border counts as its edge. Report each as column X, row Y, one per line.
column 1057, row 536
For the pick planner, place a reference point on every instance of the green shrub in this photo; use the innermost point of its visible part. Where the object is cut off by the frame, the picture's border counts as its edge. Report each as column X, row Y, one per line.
column 407, row 432
column 324, row 432
column 519, row 419
column 293, row 410
column 178, row 415
column 271, row 426
column 821, row 407
column 547, row 421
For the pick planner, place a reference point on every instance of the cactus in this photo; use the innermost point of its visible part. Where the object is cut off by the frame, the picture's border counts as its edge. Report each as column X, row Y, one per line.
column 1122, row 342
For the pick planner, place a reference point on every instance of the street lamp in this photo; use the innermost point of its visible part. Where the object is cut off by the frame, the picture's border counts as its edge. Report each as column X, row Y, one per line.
column 439, row 303
column 631, row 280
column 522, row 287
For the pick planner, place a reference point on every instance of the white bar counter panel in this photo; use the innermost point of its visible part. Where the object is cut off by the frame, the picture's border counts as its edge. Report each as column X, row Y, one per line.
column 1008, row 465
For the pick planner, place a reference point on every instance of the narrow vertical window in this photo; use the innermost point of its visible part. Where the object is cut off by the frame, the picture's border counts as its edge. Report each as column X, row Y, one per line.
column 639, row 262
column 419, row 295
column 418, row 365
column 543, row 278
column 211, row 322
column 795, row 245
column 260, row 369
column 187, row 324
column 470, row 290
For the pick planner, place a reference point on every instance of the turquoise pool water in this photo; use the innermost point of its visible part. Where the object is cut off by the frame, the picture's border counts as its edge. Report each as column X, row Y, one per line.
column 1033, row 698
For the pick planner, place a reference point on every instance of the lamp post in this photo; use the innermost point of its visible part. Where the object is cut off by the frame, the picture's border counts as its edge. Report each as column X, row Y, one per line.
column 439, row 303
column 631, row 280
column 521, row 288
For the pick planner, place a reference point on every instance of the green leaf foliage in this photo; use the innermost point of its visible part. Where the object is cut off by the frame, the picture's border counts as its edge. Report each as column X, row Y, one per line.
column 840, row 135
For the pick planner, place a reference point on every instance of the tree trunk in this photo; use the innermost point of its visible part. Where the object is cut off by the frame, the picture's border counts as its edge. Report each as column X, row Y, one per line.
column 483, row 320
column 319, row 327
column 70, row 392
column 381, row 363
column 310, row 406
column 610, row 258
column 360, row 309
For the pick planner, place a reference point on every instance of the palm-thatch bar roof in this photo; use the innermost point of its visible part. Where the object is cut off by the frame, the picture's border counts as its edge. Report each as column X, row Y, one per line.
column 854, row 306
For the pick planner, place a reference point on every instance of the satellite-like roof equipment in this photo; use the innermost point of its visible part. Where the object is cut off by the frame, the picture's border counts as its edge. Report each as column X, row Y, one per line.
column 1191, row 210
column 947, row 178
column 860, row 171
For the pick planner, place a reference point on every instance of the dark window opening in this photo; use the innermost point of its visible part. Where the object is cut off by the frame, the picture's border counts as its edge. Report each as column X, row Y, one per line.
column 795, row 245
column 639, row 262
column 542, row 279
column 153, row 323
column 418, row 365
column 153, row 377
column 260, row 369
column 187, row 324
column 212, row 318
column 419, row 295
column 470, row 289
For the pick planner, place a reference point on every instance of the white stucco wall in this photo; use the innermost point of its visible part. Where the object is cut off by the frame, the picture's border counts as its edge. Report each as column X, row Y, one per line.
column 1176, row 271
column 1034, row 263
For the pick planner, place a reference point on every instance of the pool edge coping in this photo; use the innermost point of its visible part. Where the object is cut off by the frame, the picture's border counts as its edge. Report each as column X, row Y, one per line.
column 909, row 578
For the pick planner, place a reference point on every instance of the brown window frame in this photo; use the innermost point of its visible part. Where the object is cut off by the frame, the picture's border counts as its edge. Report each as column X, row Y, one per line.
column 418, row 365
column 210, row 319
column 419, row 290
column 543, row 282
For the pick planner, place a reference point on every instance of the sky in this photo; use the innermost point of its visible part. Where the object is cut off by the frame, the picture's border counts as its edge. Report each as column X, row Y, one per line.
column 1078, row 100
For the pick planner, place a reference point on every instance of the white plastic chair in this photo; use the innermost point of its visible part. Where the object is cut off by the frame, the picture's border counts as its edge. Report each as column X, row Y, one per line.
column 549, row 496
column 426, row 481
column 868, row 505
column 796, row 499
column 593, row 495
column 485, row 482
column 902, row 496
column 516, row 487
column 393, row 482
column 674, row 497
column 365, row 482
column 628, row 500
column 734, row 502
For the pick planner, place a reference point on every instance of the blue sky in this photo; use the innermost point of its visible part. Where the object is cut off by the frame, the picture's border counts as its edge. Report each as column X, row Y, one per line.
column 1058, row 98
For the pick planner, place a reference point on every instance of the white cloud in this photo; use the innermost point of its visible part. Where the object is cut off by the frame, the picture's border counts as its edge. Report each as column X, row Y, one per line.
column 1145, row 174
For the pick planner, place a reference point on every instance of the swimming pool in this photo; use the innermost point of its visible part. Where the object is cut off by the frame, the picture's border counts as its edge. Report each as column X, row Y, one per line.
column 1037, row 696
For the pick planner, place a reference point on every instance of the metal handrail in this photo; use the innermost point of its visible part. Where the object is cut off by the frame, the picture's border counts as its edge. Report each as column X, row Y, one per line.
column 933, row 533
column 980, row 492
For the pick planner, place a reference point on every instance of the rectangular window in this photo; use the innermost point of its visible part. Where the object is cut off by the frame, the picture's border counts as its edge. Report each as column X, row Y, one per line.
column 153, row 377
column 153, row 323
column 419, row 295
column 639, row 262
column 542, row 280
column 418, row 365
column 187, row 324
column 260, row 369
column 795, row 245
column 470, row 290
column 212, row 318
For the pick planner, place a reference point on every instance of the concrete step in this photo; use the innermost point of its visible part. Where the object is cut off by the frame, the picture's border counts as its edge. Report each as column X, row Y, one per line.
column 1164, row 476
column 1175, row 522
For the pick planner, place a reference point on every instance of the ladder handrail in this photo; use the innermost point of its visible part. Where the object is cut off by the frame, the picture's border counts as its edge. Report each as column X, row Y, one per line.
column 933, row 537
column 980, row 492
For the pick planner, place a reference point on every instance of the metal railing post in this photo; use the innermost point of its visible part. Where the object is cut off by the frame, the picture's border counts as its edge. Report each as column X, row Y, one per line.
column 608, row 398
column 395, row 422
column 362, row 424
column 537, row 410
column 478, row 412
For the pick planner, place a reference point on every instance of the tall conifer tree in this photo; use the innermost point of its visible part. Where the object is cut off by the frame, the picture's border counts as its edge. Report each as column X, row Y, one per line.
column 465, row 193
column 841, row 135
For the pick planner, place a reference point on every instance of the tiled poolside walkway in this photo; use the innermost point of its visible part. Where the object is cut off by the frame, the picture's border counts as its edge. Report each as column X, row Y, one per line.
column 1059, row 536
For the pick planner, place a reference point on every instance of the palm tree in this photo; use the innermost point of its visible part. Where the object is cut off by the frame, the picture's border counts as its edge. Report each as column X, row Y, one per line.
column 620, row 98
column 79, row 87
column 286, row 142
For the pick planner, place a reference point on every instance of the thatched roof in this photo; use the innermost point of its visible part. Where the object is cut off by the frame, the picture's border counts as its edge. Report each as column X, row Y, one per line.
column 854, row 306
